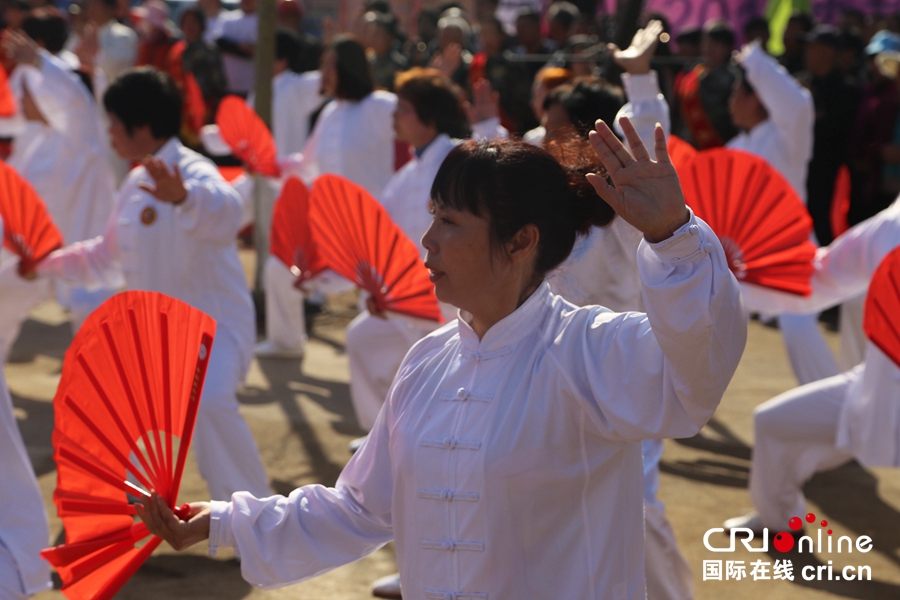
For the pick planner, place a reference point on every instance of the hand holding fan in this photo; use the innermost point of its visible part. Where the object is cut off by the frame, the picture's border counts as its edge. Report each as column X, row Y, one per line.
column 290, row 239
column 762, row 223
column 882, row 303
column 28, row 230
column 357, row 238
column 247, row 135
column 125, row 412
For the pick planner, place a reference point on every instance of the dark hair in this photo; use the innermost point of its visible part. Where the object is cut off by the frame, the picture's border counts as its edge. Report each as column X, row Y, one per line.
column 804, row 19
column 720, row 32
column 379, row 6
column 755, row 24
column 435, row 98
column 145, row 96
column 587, row 99
column 514, row 184
column 50, row 30
column 565, row 13
column 529, row 14
column 385, row 21
column 196, row 12
column 354, row 73
column 287, row 45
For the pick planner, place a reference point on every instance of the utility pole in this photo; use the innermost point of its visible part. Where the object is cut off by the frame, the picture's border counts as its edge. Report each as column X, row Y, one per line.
column 264, row 195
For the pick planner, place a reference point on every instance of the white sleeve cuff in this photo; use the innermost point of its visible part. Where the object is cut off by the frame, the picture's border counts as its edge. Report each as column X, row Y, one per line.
column 687, row 243
column 641, row 88
column 220, row 533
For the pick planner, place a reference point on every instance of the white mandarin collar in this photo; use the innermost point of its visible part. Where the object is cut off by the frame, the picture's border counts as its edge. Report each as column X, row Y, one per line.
column 170, row 152
column 435, row 148
column 500, row 339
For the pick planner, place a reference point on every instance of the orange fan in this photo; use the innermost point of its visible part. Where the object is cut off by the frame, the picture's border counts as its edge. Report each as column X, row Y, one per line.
column 882, row 303
column 357, row 239
column 247, row 136
column 28, row 230
column 7, row 98
column 230, row 173
column 680, row 152
column 762, row 223
column 290, row 239
column 125, row 412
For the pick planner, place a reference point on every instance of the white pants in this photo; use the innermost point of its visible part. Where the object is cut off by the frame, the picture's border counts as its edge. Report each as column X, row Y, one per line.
column 810, row 356
column 375, row 349
column 853, row 338
column 11, row 587
column 285, row 321
column 226, row 452
column 795, row 438
column 668, row 573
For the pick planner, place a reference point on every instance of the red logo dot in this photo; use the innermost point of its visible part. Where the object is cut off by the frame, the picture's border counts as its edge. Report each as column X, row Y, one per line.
column 783, row 541
column 795, row 523
column 810, row 517
column 824, row 523
column 829, row 533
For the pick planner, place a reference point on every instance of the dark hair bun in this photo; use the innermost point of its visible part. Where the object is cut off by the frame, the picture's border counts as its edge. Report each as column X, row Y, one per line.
column 578, row 159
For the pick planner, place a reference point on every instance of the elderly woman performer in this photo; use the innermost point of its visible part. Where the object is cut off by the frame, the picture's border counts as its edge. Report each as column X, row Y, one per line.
column 506, row 462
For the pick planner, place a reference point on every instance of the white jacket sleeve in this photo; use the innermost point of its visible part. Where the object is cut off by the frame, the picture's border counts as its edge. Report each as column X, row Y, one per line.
column 645, row 108
column 213, row 209
column 843, row 269
column 64, row 101
column 662, row 375
column 92, row 263
column 287, row 540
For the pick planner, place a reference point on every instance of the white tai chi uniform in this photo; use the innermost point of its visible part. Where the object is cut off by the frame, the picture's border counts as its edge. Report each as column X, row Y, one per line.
column 852, row 415
column 187, row 252
column 785, row 140
column 510, row 466
column 67, row 163
column 23, row 524
column 376, row 346
column 602, row 269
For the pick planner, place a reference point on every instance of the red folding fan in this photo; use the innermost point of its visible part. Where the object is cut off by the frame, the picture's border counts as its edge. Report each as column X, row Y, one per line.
column 882, row 304
column 357, row 238
column 290, row 239
column 7, row 98
column 247, row 136
column 762, row 223
column 840, row 202
column 28, row 230
column 680, row 152
column 125, row 412
column 194, row 104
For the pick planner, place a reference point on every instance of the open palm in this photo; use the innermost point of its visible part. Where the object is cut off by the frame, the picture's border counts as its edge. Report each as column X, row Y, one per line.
column 644, row 192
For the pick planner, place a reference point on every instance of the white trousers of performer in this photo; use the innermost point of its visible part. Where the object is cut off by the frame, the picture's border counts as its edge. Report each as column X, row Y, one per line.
column 11, row 586
column 810, row 356
column 285, row 320
column 668, row 573
column 375, row 349
column 853, row 338
column 795, row 437
column 226, row 452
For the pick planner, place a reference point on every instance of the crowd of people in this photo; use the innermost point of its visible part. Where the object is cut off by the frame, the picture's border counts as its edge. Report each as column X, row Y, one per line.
column 513, row 451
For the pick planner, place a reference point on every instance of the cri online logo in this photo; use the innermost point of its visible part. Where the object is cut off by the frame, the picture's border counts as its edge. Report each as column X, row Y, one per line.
column 784, row 541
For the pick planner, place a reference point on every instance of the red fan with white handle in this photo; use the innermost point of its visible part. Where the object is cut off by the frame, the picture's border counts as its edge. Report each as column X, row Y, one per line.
column 882, row 305
column 28, row 230
column 680, row 152
column 247, row 136
column 759, row 218
column 290, row 239
column 357, row 238
column 125, row 412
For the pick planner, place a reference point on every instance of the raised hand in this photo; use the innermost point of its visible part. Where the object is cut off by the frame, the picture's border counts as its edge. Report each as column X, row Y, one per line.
column 448, row 60
column 21, row 48
column 636, row 58
column 162, row 522
column 485, row 102
column 169, row 186
column 646, row 193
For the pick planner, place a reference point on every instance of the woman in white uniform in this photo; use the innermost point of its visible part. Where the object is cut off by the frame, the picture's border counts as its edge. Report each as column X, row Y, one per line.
column 826, row 423
column 173, row 231
column 506, row 462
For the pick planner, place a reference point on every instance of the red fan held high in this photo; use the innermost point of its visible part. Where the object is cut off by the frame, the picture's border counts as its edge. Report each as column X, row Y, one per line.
column 680, row 152
column 762, row 223
column 125, row 412
column 357, row 238
column 290, row 239
column 882, row 304
column 28, row 230
column 247, row 136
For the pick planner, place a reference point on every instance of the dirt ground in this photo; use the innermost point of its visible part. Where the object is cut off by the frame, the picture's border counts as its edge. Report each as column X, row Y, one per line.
column 302, row 419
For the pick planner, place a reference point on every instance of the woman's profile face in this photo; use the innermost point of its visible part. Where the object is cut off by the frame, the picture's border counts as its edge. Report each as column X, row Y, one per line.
column 328, row 69
column 459, row 257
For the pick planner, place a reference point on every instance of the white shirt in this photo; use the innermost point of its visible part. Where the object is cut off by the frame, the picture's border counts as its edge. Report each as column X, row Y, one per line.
column 785, row 139
column 186, row 251
column 354, row 140
column 118, row 49
column 242, row 29
column 510, row 467
column 295, row 97
column 213, row 30
column 66, row 160
column 870, row 417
